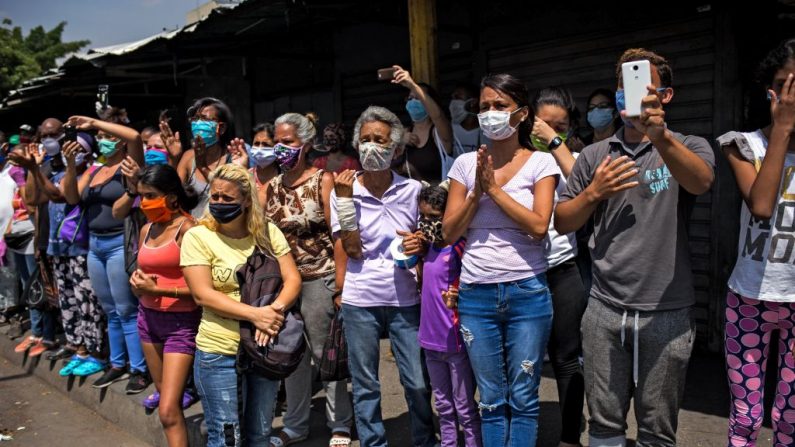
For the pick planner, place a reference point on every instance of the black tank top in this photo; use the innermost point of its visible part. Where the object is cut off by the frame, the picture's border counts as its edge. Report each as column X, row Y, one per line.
column 99, row 201
column 426, row 160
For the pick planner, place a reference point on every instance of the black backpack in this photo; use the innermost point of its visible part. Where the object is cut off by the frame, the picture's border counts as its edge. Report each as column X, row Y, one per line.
column 260, row 282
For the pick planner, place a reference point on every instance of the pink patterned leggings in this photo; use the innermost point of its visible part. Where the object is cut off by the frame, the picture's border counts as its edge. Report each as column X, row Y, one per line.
column 749, row 324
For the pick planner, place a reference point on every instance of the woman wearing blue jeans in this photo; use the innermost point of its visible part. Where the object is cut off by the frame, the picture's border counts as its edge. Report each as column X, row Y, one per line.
column 501, row 200
column 211, row 252
column 97, row 193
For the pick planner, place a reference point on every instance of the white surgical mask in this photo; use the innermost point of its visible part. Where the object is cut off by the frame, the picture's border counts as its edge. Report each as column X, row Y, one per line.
column 496, row 125
column 458, row 111
column 375, row 157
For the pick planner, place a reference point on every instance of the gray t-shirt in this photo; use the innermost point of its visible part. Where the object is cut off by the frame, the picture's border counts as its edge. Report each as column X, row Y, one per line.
column 641, row 258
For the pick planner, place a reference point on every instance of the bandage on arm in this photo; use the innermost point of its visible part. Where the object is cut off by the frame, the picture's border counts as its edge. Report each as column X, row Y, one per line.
column 346, row 214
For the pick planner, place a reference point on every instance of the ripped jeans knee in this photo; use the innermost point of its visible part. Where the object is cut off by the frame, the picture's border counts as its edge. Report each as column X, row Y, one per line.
column 466, row 334
column 528, row 367
column 231, row 434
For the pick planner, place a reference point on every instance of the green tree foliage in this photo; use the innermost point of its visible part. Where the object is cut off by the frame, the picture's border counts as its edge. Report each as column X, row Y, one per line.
column 25, row 57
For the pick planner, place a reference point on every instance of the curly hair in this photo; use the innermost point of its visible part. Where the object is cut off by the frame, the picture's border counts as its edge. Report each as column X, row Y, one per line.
column 774, row 61
column 435, row 196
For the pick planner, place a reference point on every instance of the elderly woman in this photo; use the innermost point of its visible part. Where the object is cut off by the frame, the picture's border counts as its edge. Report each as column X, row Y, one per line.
column 298, row 203
column 368, row 210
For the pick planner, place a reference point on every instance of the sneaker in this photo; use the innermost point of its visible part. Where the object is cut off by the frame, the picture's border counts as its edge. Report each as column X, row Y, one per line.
column 89, row 366
column 138, row 382
column 151, row 401
column 40, row 348
column 111, row 375
column 26, row 344
column 188, row 399
column 69, row 368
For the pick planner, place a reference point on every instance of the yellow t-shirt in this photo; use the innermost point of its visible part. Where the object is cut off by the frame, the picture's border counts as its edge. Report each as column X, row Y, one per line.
column 224, row 255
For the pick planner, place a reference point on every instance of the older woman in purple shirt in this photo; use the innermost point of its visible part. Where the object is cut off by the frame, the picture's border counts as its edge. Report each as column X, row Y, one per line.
column 368, row 209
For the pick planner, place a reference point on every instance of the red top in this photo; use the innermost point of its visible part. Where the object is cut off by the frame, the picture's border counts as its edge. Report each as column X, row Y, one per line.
column 349, row 163
column 163, row 261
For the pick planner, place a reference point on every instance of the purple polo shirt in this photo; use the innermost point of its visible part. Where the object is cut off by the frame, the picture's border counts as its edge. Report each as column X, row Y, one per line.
column 374, row 280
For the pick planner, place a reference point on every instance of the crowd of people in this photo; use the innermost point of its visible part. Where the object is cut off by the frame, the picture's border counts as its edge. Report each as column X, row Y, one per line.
column 476, row 241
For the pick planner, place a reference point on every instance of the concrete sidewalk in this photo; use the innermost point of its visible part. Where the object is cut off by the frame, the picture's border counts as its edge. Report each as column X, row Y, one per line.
column 702, row 421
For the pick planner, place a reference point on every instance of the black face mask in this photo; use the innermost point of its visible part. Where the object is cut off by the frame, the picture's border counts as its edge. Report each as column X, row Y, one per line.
column 225, row 212
column 431, row 228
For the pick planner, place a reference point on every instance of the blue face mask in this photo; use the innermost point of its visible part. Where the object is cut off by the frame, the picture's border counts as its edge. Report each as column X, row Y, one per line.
column 155, row 157
column 600, row 118
column 206, row 129
column 416, row 110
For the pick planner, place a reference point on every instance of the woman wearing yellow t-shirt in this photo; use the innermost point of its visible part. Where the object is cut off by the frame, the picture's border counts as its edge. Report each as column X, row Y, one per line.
column 211, row 254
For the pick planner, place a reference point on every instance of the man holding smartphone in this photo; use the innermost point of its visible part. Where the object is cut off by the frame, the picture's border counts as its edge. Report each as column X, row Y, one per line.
column 638, row 330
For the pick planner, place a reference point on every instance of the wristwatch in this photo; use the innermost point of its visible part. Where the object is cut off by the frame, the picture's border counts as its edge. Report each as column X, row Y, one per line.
column 130, row 193
column 555, row 143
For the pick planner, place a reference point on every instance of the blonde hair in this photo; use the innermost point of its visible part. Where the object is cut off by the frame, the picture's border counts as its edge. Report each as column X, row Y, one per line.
column 256, row 221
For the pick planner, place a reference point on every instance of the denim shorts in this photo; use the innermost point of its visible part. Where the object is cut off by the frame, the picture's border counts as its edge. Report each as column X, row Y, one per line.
column 176, row 331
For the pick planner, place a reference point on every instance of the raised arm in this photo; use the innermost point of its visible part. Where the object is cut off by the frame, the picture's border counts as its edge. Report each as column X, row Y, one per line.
column 435, row 113
column 124, row 204
column 562, row 153
column 760, row 189
column 72, row 188
column 692, row 172
column 135, row 146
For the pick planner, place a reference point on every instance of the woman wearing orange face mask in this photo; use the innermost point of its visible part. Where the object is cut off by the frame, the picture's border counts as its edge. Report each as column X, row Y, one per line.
column 168, row 318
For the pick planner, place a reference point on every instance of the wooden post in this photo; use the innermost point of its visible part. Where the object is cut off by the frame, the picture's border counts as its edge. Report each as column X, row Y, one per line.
column 422, row 35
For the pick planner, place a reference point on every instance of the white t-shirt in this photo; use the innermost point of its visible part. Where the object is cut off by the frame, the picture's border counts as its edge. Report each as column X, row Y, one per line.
column 7, row 189
column 765, row 268
column 562, row 247
column 498, row 249
column 468, row 140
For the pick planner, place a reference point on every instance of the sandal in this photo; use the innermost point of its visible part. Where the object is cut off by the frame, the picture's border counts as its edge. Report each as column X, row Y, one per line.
column 283, row 440
column 62, row 354
column 340, row 439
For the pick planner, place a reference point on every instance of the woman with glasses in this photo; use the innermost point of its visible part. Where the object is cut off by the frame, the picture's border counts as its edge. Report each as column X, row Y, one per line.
column 602, row 114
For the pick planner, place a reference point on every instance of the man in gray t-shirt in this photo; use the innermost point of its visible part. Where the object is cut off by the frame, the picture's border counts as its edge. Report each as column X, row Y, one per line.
column 638, row 332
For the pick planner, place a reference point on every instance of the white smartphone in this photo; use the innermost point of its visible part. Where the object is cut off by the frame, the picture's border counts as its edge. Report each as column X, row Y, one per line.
column 636, row 76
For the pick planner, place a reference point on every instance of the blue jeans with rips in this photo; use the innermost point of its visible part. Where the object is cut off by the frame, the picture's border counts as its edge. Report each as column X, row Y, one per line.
column 216, row 381
column 506, row 327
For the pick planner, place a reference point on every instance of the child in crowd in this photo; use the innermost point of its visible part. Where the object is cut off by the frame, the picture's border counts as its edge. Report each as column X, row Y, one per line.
column 451, row 375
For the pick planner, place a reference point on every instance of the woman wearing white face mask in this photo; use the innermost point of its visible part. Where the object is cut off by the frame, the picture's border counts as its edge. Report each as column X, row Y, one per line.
column 501, row 200
column 379, row 297
column 464, row 116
